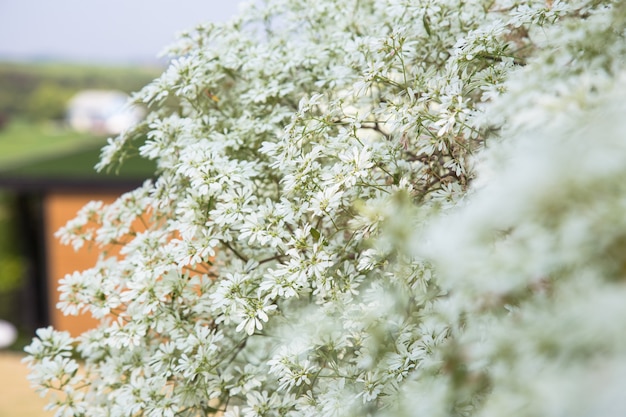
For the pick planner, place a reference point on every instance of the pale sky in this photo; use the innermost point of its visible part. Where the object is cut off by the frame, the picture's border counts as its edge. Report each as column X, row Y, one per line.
column 115, row 31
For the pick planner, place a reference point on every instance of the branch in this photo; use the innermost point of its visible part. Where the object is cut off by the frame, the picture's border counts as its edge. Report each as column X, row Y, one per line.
column 233, row 250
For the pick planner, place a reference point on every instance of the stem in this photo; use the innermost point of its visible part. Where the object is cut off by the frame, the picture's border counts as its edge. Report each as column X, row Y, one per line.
column 233, row 250
column 273, row 258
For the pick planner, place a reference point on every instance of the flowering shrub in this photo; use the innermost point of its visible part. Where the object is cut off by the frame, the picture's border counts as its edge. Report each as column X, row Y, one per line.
column 364, row 207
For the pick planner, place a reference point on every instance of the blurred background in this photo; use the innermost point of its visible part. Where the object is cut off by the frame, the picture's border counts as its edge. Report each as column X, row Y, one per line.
column 66, row 69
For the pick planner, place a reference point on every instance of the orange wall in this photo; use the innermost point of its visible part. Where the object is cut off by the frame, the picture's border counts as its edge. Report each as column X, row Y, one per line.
column 58, row 208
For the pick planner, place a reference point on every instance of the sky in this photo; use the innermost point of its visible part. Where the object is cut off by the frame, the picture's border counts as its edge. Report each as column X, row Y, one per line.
column 100, row 31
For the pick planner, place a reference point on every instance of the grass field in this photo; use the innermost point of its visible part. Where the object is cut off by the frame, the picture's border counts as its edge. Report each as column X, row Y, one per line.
column 21, row 140
column 17, row 398
column 45, row 151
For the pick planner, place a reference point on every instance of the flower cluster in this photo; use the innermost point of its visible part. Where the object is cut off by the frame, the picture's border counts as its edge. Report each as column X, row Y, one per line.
column 316, row 241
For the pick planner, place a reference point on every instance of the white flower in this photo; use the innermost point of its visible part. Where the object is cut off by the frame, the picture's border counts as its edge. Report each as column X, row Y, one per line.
column 315, row 243
column 256, row 313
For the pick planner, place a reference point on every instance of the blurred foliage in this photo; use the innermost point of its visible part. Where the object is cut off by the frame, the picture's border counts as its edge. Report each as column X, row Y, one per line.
column 48, row 101
column 11, row 262
column 40, row 91
column 11, row 269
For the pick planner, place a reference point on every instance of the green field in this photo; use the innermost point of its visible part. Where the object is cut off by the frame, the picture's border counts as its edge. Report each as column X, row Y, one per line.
column 31, row 150
column 23, row 140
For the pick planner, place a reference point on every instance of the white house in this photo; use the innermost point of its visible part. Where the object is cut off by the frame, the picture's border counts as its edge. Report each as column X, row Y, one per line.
column 102, row 112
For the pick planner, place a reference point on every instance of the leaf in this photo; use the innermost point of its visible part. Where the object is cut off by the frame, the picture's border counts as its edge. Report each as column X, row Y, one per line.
column 426, row 21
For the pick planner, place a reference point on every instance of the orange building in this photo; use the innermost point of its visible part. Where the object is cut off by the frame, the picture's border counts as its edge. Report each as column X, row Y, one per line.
column 45, row 194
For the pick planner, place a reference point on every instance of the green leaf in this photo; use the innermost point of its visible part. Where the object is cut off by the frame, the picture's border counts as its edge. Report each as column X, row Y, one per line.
column 426, row 21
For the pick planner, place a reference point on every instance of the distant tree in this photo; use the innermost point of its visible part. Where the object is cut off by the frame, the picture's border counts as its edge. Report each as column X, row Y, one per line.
column 364, row 208
column 48, row 101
